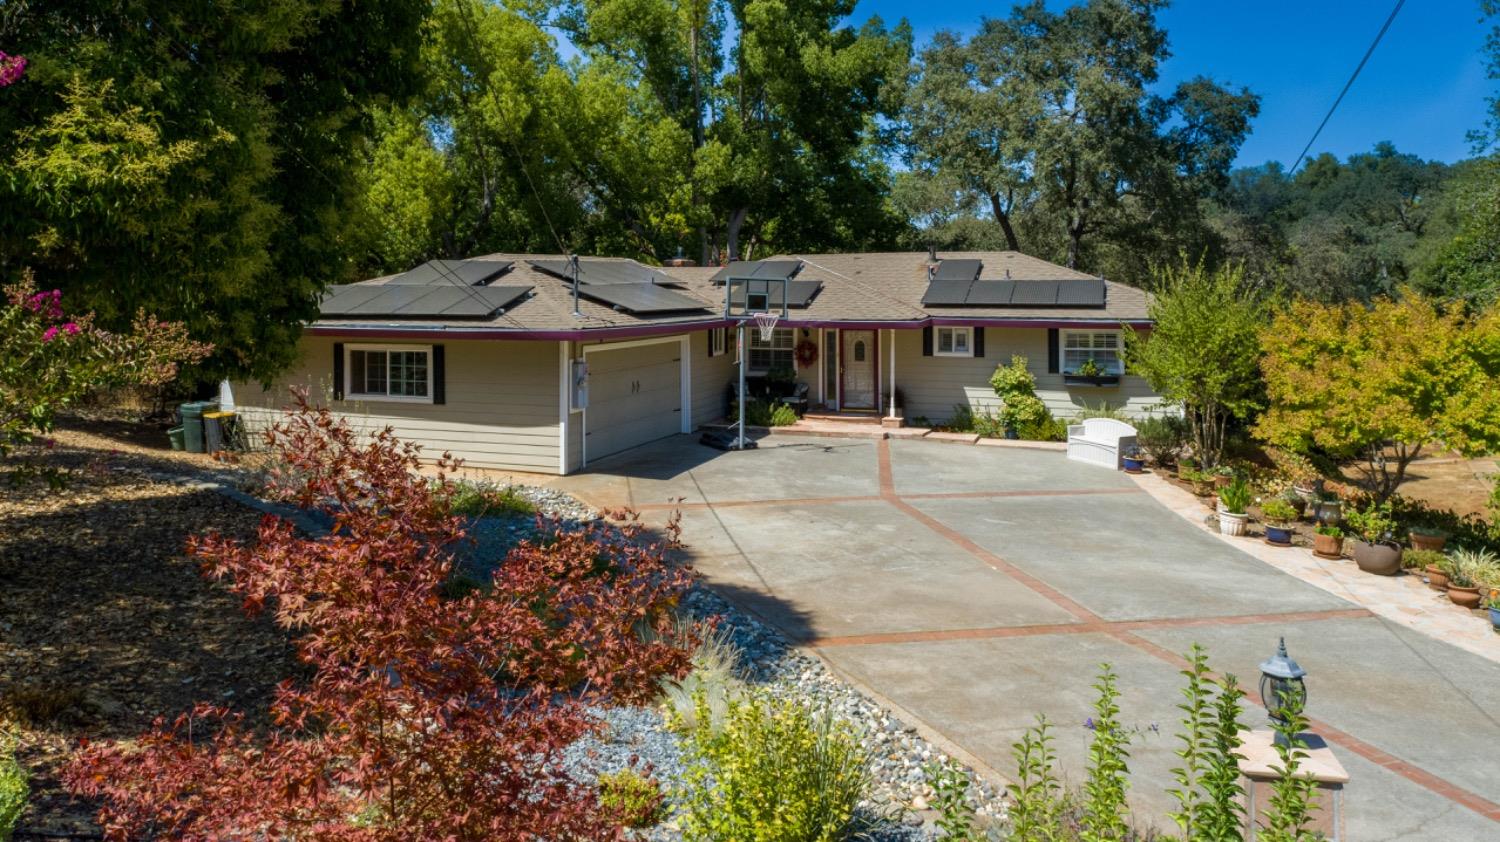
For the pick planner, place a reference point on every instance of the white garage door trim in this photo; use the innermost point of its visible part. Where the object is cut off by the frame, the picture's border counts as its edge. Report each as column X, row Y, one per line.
column 684, row 353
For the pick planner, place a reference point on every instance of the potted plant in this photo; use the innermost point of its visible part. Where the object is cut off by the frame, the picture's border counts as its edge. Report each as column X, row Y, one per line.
column 1090, row 373
column 1279, row 516
column 1427, row 538
column 1329, row 508
column 1438, row 572
column 1492, row 602
column 1203, row 484
column 1186, row 465
column 1328, row 541
column 1421, row 563
column 1234, row 505
column 1293, row 499
column 1134, row 459
column 1472, row 569
column 1223, row 476
column 1374, row 551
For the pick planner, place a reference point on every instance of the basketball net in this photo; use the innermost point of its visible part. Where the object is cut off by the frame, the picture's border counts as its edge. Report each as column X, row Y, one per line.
column 766, row 323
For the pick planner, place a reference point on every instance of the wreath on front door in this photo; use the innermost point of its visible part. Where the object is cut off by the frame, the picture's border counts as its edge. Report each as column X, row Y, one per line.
column 806, row 353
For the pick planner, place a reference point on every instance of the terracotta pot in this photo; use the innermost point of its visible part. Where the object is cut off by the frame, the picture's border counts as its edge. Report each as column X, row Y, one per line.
column 1183, row 468
column 1222, row 481
column 1436, row 579
column 1203, row 487
column 1380, row 559
column 1428, row 542
column 1232, row 524
column 1328, row 546
column 1463, row 597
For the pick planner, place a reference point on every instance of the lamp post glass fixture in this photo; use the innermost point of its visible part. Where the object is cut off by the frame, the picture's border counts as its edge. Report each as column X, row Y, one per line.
column 1281, row 686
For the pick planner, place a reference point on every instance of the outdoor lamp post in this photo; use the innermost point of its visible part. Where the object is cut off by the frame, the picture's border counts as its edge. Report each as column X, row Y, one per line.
column 1281, row 686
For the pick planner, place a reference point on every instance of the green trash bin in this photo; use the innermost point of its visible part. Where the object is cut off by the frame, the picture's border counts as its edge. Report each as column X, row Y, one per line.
column 217, row 428
column 174, row 435
column 192, row 424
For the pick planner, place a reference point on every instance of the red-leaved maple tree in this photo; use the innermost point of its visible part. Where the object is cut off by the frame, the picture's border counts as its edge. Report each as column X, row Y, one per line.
column 425, row 717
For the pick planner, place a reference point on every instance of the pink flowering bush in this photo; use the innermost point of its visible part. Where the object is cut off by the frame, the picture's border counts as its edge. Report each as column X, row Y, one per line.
column 11, row 69
column 50, row 359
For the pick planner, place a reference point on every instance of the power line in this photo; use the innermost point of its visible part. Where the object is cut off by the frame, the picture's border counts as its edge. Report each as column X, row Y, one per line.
column 1347, row 85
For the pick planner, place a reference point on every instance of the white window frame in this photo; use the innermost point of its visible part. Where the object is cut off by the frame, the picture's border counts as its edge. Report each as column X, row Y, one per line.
column 1118, row 350
column 754, row 343
column 953, row 333
column 718, row 342
column 350, row 393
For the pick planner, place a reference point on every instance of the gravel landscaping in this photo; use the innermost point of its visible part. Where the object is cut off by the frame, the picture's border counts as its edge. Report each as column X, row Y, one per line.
column 126, row 519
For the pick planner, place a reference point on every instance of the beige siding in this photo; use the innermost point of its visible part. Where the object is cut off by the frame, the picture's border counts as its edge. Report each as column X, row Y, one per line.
column 501, row 407
column 932, row 386
column 711, row 378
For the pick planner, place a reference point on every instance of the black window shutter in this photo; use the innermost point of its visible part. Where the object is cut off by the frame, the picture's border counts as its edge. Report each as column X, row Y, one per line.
column 1052, row 352
column 338, row 371
column 927, row 341
column 978, row 341
column 712, row 332
column 439, row 376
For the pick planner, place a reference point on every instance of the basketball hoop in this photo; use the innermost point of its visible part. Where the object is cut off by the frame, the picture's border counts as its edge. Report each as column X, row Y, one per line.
column 766, row 322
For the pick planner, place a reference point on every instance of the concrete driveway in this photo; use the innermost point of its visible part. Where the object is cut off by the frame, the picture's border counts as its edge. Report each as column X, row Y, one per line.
column 973, row 588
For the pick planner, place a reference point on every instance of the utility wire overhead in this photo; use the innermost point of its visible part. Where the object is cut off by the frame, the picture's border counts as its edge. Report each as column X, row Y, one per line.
column 1347, row 85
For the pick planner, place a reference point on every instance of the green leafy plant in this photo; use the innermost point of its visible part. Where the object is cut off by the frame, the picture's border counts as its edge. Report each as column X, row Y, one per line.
column 1162, row 437
column 1278, row 512
column 1104, row 815
column 478, row 498
column 1328, row 529
column 13, row 787
column 766, row 413
column 950, row 798
column 1102, row 409
column 1422, row 559
column 1208, row 788
column 1037, row 799
column 779, row 770
column 1235, row 497
column 962, row 419
column 1289, row 811
column 1474, row 568
column 1021, row 410
column 1089, row 368
column 630, row 798
column 1372, row 524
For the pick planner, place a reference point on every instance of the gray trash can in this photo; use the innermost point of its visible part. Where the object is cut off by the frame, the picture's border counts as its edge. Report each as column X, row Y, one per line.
column 192, row 424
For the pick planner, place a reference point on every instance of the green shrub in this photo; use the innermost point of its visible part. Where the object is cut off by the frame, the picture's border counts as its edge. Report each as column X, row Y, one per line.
column 480, row 498
column 1278, row 511
column 1162, row 437
column 1105, row 813
column 630, row 798
column 950, row 798
column 1102, row 410
column 1422, row 559
column 766, row 413
column 962, row 420
column 1372, row 524
column 1038, row 802
column 13, row 788
column 778, row 772
column 1013, row 379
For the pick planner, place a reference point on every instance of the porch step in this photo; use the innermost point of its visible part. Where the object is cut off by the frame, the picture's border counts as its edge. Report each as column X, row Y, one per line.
column 845, row 417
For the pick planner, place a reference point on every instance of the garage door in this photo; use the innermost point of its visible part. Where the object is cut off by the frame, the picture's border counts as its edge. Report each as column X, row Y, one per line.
column 635, row 396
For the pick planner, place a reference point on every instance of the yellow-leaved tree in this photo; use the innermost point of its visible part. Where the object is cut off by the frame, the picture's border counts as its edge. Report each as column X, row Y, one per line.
column 1381, row 382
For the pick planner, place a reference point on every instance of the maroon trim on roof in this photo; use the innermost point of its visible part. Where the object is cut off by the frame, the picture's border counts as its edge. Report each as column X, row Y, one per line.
column 633, row 331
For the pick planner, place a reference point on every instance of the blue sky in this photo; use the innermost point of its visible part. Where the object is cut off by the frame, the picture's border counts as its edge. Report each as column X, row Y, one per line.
column 1423, row 89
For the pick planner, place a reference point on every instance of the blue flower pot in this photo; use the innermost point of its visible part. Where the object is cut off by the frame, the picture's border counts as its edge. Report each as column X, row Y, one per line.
column 1132, row 466
column 1495, row 618
column 1278, row 535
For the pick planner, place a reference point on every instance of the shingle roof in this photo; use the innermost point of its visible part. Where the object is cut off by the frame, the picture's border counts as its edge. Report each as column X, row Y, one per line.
column 857, row 287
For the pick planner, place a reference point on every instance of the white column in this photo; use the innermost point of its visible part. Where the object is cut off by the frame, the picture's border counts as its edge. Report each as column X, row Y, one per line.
column 892, row 334
column 564, row 396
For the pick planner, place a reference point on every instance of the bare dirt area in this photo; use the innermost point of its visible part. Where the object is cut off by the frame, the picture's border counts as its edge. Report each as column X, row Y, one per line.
column 104, row 623
column 1452, row 482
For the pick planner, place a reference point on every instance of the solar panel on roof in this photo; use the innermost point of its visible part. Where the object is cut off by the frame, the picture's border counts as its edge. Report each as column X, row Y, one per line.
column 946, row 292
column 456, row 272
column 799, row 294
column 768, row 269
column 991, row 293
column 411, row 301
column 605, row 272
column 1034, row 294
column 1087, row 292
column 640, row 298
column 963, row 269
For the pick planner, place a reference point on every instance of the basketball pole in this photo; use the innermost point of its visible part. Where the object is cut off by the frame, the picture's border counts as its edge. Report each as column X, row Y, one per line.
column 740, row 343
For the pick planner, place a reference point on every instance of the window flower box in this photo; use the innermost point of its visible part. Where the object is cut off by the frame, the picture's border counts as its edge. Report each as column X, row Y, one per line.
column 1091, row 379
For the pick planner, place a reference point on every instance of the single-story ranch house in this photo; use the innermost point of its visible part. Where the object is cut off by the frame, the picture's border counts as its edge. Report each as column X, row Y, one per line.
column 508, row 363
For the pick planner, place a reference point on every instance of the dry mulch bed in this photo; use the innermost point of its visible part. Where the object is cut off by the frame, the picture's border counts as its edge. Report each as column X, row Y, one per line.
column 104, row 624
